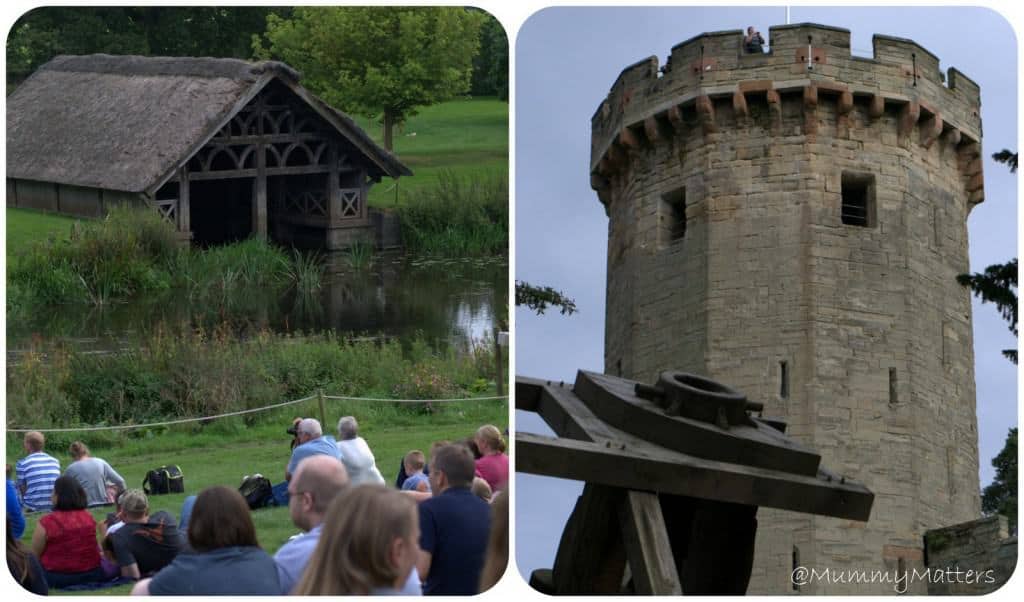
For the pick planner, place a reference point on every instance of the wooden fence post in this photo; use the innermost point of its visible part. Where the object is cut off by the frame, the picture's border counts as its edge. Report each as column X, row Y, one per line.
column 323, row 412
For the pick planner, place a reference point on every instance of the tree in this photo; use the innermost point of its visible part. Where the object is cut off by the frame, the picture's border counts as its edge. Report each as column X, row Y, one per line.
column 998, row 283
column 377, row 61
column 43, row 33
column 1001, row 496
column 490, row 67
column 538, row 298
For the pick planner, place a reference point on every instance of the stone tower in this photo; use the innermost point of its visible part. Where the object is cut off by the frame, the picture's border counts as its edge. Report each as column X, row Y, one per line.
column 791, row 224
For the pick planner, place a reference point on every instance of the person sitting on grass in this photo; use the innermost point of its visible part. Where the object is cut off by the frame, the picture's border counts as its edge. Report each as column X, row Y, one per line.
column 454, row 526
column 14, row 513
column 492, row 466
column 24, row 566
column 65, row 539
column 312, row 442
column 414, row 463
column 224, row 556
column 368, row 546
column 94, row 475
column 36, row 473
column 356, row 454
column 145, row 544
column 314, row 485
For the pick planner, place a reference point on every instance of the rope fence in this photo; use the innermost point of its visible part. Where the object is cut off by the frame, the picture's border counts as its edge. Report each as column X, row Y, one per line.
column 321, row 397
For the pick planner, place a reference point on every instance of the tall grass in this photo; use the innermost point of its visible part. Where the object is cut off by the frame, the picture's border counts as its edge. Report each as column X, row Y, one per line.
column 133, row 253
column 360, row 255
column 194, row 372
column 458, row 216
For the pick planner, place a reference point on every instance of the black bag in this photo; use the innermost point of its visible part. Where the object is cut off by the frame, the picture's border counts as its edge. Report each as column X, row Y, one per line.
column 257, row 491
column 166, row 479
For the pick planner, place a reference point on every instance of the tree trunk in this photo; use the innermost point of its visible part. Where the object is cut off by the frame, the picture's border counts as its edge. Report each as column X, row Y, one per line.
column 389, row 124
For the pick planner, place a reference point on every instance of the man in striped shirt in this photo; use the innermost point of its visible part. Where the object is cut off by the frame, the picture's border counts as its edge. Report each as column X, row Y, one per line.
column 36, row 473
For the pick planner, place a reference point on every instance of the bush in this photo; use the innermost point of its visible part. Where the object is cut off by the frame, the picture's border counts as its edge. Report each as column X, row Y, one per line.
column 458, row 216
column 201, row 373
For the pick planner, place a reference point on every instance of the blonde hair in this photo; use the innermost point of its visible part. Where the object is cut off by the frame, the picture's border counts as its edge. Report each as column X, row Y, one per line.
column 415, row 460
column 78, row 450
column 35, row 441
column 481, row 489
column 496, row 557
column 492, row 437
column 353, row 554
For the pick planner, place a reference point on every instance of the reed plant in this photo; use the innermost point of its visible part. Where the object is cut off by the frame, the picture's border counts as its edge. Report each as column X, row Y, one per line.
column 458, row 216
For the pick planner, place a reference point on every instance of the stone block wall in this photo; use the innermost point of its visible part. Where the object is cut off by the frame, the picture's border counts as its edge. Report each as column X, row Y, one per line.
column 976, row 557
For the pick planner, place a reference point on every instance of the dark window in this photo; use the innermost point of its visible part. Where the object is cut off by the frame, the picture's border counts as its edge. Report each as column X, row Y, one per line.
column 893, row 394
column 796, row 565
column 783, row 380
column 858, row 199
column 673, row 216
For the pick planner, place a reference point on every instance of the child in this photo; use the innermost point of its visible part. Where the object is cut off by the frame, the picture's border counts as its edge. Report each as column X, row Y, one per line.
column 481, row 489
column 416, row 481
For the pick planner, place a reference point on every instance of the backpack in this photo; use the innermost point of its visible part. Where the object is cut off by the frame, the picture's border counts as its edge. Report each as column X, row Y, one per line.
column 257, row 491
column 166, row 479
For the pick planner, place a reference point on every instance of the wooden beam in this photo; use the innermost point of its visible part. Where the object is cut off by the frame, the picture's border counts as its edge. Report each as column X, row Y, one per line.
column 617, row 465
column 648, row 549
column 590, row 557
column 184, row 206
column 268, row 139
column 297, row 170
column 259, row 197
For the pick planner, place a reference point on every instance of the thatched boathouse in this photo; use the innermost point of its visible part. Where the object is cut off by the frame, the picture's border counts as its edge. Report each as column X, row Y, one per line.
column 224, row 149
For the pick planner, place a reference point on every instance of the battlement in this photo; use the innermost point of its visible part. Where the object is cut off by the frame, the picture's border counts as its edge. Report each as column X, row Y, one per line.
column 803, row 58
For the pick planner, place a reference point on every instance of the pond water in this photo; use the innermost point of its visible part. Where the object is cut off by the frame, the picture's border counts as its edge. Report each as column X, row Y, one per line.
column 449, row 302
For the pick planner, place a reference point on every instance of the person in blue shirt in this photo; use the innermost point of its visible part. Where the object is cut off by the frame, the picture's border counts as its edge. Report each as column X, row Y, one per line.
column 312, row 441
column 454, row 526
column 14, row 513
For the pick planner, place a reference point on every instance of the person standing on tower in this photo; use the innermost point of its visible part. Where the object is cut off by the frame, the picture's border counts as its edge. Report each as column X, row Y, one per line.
column 753, row 43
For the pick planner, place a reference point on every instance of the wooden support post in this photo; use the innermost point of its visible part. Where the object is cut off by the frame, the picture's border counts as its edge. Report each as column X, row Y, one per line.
column 647, row 546
column 323, row 410
column 499, row 380
column 333, row 187
column 259, row 201
column 184, row 208
column 590, row 557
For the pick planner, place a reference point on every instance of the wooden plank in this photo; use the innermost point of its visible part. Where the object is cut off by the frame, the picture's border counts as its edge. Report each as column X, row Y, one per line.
column 616, row 464
column 613, row 401
column 590, row 557
column 296, row 170
column 648, row 550
column 333, row 187
column 528, row 393
column 259, row 198
column 268, row 139
column 184, row 206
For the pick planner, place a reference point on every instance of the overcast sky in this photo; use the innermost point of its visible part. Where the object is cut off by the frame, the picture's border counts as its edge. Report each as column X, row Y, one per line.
column 567, row 59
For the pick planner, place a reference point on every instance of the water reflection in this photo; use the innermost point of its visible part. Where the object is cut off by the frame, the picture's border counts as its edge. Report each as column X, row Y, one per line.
column 449, row 302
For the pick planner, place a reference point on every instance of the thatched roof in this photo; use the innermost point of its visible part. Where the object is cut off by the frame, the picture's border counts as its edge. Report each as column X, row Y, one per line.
column 127, row 122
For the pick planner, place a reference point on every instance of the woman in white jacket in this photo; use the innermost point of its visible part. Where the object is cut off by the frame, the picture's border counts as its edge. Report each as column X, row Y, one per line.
column 356, row 454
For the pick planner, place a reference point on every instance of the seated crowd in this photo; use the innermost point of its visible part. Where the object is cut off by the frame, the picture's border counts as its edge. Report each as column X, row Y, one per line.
column 434, row 533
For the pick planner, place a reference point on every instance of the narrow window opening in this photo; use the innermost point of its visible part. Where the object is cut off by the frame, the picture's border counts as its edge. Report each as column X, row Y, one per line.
column 858, row 206
column 673, row 216
column 894, row 397
column 618, row 367
column 901, row 571
column 796, row 565
column 783, row 380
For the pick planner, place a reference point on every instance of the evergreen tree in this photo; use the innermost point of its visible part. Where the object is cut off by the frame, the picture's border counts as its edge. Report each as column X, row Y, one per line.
column 1001, row 496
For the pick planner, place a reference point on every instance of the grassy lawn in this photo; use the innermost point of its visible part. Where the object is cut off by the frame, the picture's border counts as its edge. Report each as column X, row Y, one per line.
column 222, row 452
column 25, row 226
column 468, row 137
